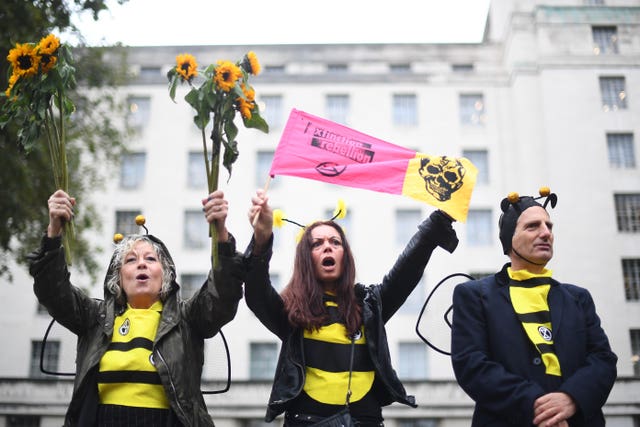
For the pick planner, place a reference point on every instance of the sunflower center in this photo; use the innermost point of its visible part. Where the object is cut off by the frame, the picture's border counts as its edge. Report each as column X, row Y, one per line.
column 25, row 62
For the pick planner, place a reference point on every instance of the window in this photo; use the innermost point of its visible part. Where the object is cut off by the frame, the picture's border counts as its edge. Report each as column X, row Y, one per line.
column 628, row 212
column 480, row 159
column 631, row 274
column 614, row 95
column 196, row 230
column 621, row 150
column 151, row 74
column 417, row 422
column 263, row 166
column 405, row 110
column 132, row 170
column 605, row 40
column 139, row 111
column 412, row 363
column 479, row 229
column 337, row 107
column 271, row 110
column 400, row 68
column 191, row 283
column 196, row 170
column 23, row 421
column 263, row 358
column 407, row 221
column 49, row 361
column 635, row 350
column 462, row 68
column 126, row 222
column 472, row 109
column 477, row 275
column 337, row 68
column 274, row 69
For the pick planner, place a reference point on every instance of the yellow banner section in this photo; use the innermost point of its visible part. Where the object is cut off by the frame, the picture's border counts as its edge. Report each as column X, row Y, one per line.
column 444, row 182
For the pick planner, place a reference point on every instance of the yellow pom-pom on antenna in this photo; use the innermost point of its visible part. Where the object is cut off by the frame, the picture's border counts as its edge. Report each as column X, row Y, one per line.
column 341, row 210
column 544, row 191
column 117, row 238
column 513, row 197
column 140, row 220
column 278, row 218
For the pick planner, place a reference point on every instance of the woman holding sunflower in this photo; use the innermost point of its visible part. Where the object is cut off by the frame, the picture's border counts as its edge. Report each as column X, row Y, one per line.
column 334, row 349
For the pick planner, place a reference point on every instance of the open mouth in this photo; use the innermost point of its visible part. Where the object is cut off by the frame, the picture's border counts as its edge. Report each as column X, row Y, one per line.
column 328, row 262
column 142, row 277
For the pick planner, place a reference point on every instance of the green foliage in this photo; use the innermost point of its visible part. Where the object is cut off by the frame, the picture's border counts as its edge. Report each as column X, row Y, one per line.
column 94, row 135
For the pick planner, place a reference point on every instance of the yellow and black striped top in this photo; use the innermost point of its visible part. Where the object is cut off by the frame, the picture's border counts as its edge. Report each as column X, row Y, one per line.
column 327, row 355
column 128, row 375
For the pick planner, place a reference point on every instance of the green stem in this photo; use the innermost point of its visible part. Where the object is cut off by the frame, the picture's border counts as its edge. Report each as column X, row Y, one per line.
column 212, row 177
column 60, row 171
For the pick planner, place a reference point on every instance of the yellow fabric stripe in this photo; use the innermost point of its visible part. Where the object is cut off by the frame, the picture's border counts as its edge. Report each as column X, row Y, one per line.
column 333, row 333
column 534, row 300
column 331, row 387
column 134, row 394
column 529, row 300
column 133, row 323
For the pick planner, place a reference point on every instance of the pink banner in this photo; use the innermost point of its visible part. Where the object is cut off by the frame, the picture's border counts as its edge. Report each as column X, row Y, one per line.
column 318, row 149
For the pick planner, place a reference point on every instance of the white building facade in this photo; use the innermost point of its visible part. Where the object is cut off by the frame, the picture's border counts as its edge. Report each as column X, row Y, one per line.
column 551, row 97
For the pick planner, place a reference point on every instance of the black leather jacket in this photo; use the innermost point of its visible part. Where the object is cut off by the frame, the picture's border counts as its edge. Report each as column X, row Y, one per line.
column 379, row 303
column 178, row 348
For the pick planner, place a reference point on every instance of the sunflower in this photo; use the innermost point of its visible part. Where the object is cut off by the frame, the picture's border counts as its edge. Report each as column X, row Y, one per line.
column 186, row 66
column 227, row 73
column 23, row 59
column 47, row 62
column 250, row 63
column 48, row 45
column 246, row 104
column 12, row 81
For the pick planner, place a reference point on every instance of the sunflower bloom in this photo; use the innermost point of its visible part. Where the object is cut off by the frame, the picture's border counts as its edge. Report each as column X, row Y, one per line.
column 12, row 81
column 246, row 104
column 47, row 62
column 23, row 59
column 227, row 73
column 48, row 45
column 186, row 66
column 250, row 63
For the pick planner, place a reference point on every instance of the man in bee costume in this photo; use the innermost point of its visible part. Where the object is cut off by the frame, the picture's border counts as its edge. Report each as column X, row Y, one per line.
column 526, row 348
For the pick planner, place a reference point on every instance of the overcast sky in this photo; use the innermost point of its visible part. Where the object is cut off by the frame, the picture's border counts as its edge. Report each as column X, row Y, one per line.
column 206, row 22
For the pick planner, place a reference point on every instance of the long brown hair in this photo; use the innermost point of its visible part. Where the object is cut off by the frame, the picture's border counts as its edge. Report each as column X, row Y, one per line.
column 303, row 294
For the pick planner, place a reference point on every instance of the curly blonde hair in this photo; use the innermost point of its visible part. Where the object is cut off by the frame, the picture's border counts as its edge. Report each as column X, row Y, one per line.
column 113, row 284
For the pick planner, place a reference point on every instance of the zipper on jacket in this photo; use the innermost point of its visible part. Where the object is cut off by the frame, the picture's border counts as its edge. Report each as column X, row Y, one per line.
column 173, row 387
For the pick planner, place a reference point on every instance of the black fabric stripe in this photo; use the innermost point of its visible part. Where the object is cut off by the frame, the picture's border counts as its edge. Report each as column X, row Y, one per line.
column 130, row 345
column 143, row 377
column 537, row 317
column 531, row 283
column 316, row 356
column 545, row 348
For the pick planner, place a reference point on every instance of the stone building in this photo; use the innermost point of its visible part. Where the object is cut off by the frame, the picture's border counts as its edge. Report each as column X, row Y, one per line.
column 551, row 96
